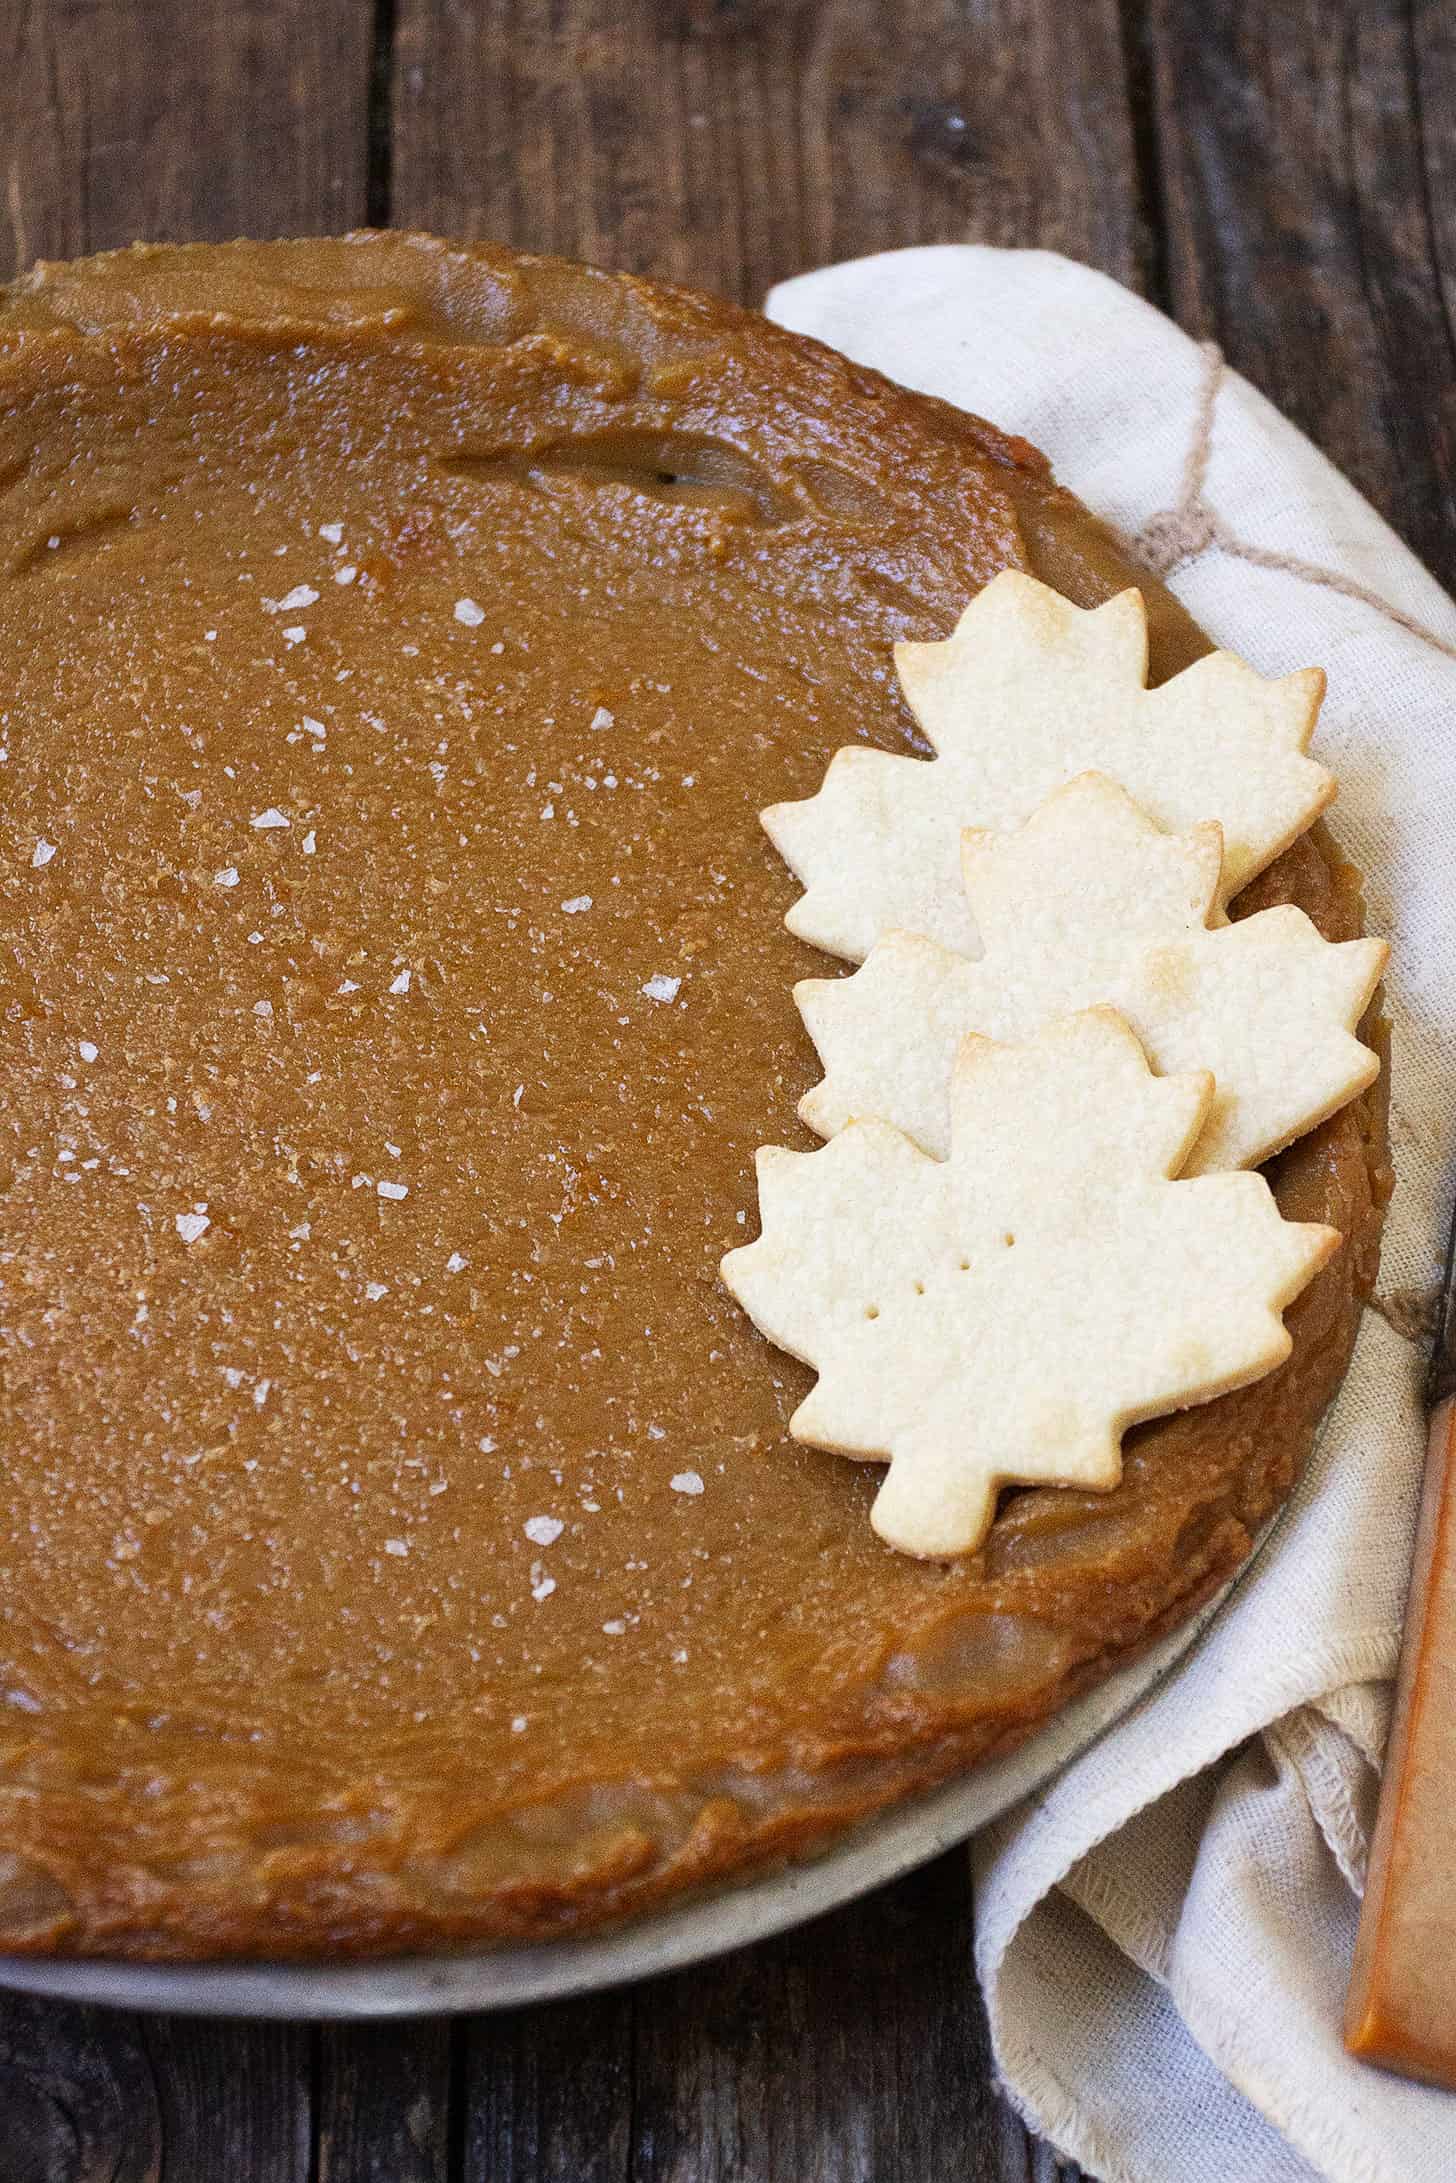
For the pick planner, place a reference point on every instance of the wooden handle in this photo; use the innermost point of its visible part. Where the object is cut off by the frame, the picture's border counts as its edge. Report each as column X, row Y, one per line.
column 1401, row 2010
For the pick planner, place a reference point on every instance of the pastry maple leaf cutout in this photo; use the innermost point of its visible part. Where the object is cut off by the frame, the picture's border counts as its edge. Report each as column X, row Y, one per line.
column 1028, row 692
column 1004, row 1315
column 1091, row 902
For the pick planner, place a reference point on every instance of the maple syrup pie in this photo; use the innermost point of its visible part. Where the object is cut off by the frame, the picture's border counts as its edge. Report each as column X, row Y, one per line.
column 403, row 1543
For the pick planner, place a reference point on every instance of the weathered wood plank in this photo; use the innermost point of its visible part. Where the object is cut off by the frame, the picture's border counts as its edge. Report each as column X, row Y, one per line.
column 1307, row 156
column 233, row 2101
column 731, row 142
column 168, row 119
column 849, row 2051
column 382, row 2102
column 77, row 2099
column 547, row 2092
column 165, row 119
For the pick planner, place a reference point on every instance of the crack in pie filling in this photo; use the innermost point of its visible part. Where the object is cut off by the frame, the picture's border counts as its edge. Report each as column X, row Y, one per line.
column 402, row 1541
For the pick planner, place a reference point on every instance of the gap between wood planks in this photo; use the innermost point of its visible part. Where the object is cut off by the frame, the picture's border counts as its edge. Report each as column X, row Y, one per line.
column 379, row 116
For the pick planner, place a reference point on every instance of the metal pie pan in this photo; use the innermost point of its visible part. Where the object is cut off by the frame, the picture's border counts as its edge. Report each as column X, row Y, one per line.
column 881, row 1850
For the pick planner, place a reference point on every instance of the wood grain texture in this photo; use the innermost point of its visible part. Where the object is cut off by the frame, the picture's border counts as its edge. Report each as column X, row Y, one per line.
column 169, row 119
column 848, row 2052
column 382, row 2103
column 1307, row 156
column 243, row 2092
column 77, row 2100
column 549, row 2091
column 729, row 143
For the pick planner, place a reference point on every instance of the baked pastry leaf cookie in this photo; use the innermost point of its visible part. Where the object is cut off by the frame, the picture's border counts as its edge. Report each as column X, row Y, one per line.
column 1004, row 1315
column 1028, row 692
column 1091, row 902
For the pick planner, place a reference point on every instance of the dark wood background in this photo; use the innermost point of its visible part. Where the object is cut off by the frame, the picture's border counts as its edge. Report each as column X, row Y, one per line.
column 1281, row 176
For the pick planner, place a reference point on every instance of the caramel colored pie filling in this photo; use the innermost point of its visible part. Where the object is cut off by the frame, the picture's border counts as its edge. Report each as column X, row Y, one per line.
column 402, row 1543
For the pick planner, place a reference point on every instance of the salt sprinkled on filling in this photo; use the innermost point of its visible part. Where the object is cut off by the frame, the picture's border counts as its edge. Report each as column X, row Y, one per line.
column 575, row 903
column 469, row 613
column 660, row 988
column 346, row 574
column 615, row 1628
column 392, row 1189
column 271, row 817
column 42, row 854
column 373, row 1290
column 332, row 532
column 544, row 1530
column 401, row 983
column 455, row 1263
column 262, row 1008
column 227, row 877
column 601, row 718
column 86, row 1050
column 396, row 1546
column 310, row 843
column 518, row 1724
column 686, row 1481
column 192, row 1225
column 301, row 595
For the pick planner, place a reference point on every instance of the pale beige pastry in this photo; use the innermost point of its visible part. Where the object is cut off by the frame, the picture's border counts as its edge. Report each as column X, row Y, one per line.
column 1028, row 692
column 1007, row 1313
column 1091, row 902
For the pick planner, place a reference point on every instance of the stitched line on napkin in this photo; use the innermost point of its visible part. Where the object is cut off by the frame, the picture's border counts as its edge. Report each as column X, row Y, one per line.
column 1191, row 526
column 1327, row 1791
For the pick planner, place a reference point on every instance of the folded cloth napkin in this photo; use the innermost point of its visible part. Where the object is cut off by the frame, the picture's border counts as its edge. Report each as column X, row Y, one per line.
column 1164, row 1933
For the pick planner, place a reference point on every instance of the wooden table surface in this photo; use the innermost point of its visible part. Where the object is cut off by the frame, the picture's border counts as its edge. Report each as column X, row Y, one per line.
column 1282, row 178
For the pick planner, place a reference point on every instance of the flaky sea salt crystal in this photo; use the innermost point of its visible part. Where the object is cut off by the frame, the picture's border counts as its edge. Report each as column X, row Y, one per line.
column 397, row 1547
column 301, row 595
column 686, row 1481
column 227, row 877
column 333, row 532
column 601, row 718
column 576, row 903
column 373, row 1290
column 192, row 1225
column 86, row 1050
column 392, row 1189
column 544, row 1530
column 42, row 854
column 401, row 983
column 263, row 820
column 660, row 988
column 468, row 613
column 455, row 1263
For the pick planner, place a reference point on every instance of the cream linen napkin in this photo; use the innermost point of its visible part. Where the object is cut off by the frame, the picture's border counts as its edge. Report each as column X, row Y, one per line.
column 1164, row 1933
